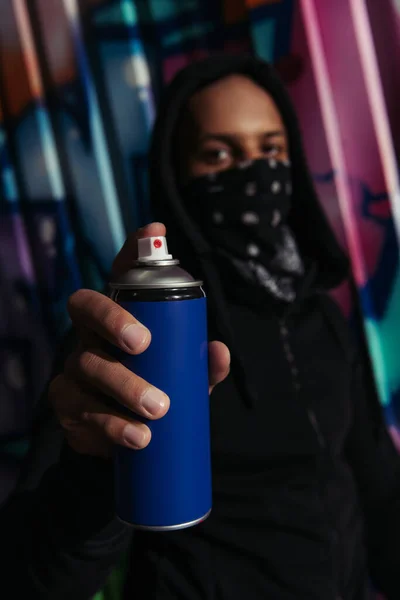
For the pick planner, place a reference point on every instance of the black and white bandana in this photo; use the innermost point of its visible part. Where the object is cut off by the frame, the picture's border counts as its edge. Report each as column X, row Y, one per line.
column 243, row 212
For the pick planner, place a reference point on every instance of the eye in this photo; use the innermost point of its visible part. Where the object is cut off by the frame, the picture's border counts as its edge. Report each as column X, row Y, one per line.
column 272, row 150
column 215, row 156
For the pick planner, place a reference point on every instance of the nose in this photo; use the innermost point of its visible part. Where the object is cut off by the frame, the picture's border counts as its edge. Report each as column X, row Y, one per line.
column 251, row 151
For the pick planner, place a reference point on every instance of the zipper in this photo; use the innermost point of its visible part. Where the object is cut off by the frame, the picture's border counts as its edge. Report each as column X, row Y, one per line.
column 284, row 333
column 315, row 425
column 289, row 355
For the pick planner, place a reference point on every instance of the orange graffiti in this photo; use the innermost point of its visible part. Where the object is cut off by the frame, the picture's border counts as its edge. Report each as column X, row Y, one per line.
column 234, row 11
column 20, row 69
column 257, row 3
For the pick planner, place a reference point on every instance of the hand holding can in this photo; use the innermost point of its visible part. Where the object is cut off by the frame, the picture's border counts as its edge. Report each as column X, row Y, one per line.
column 91, row 375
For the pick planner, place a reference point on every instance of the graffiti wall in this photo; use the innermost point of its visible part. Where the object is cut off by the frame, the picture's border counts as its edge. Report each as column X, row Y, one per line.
column 346, row 99
column 79, row 86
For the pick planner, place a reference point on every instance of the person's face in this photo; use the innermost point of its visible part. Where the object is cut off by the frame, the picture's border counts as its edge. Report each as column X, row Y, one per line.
column 229, row 122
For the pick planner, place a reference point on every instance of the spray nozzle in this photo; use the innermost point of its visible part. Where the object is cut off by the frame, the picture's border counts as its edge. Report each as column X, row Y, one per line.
column 153, row 248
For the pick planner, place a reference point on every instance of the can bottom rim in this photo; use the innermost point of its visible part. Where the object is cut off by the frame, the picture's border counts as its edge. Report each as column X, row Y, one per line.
column 166, row 527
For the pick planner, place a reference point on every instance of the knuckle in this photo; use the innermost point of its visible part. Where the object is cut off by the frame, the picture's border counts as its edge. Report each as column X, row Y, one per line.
column 77, row 299
column 88, row 363
column 112, row 428
column 133, row 390
column 130, row 387
column 66, row 422
column 115, row 319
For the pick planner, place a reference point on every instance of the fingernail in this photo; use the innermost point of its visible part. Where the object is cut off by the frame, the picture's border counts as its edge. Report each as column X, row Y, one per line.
column 153, row 401
column 134, row 436
column 134, row 337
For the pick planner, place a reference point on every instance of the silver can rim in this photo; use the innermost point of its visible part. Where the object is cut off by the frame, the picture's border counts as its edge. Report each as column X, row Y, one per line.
column 155, row 286
column 156, row 263
column 166, row 527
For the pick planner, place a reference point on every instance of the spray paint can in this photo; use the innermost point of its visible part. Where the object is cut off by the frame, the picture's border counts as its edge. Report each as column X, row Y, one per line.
column 167, row 485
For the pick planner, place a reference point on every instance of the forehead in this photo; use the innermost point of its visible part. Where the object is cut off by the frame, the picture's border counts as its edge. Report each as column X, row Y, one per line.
column 234, row 104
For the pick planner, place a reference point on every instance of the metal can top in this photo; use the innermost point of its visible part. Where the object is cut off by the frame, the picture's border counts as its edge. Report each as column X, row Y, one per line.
column 154, row 269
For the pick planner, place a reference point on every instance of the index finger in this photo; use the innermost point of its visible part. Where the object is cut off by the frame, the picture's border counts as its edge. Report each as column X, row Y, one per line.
column 128, row 252
column 100, row 314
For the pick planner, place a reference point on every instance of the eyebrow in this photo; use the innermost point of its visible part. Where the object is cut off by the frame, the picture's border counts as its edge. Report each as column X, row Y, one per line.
column 228, row 137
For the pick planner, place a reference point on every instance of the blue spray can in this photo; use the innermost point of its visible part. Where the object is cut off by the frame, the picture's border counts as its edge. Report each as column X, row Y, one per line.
column 167, row 485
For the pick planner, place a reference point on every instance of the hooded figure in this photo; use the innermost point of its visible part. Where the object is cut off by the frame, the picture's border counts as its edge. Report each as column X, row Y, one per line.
column 291, row 425
column 306, row 481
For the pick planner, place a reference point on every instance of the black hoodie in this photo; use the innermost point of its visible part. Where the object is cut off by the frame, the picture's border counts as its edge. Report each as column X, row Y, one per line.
column 305, row 477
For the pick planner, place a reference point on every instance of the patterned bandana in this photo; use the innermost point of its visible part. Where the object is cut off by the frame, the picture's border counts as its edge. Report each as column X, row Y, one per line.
column 242, row 212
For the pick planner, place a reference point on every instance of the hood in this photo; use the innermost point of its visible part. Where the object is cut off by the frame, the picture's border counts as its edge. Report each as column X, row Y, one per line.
column 307, row 220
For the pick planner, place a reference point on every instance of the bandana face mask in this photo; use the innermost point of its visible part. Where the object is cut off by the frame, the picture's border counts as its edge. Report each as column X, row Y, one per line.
column 243, row 213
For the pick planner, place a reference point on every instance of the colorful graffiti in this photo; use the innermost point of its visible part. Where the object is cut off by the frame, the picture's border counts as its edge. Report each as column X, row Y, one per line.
column 79, row 86
column 361, row 152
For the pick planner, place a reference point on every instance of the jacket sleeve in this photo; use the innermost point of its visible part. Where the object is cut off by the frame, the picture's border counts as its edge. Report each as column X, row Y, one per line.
column 59, row 538
column 376, row 467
